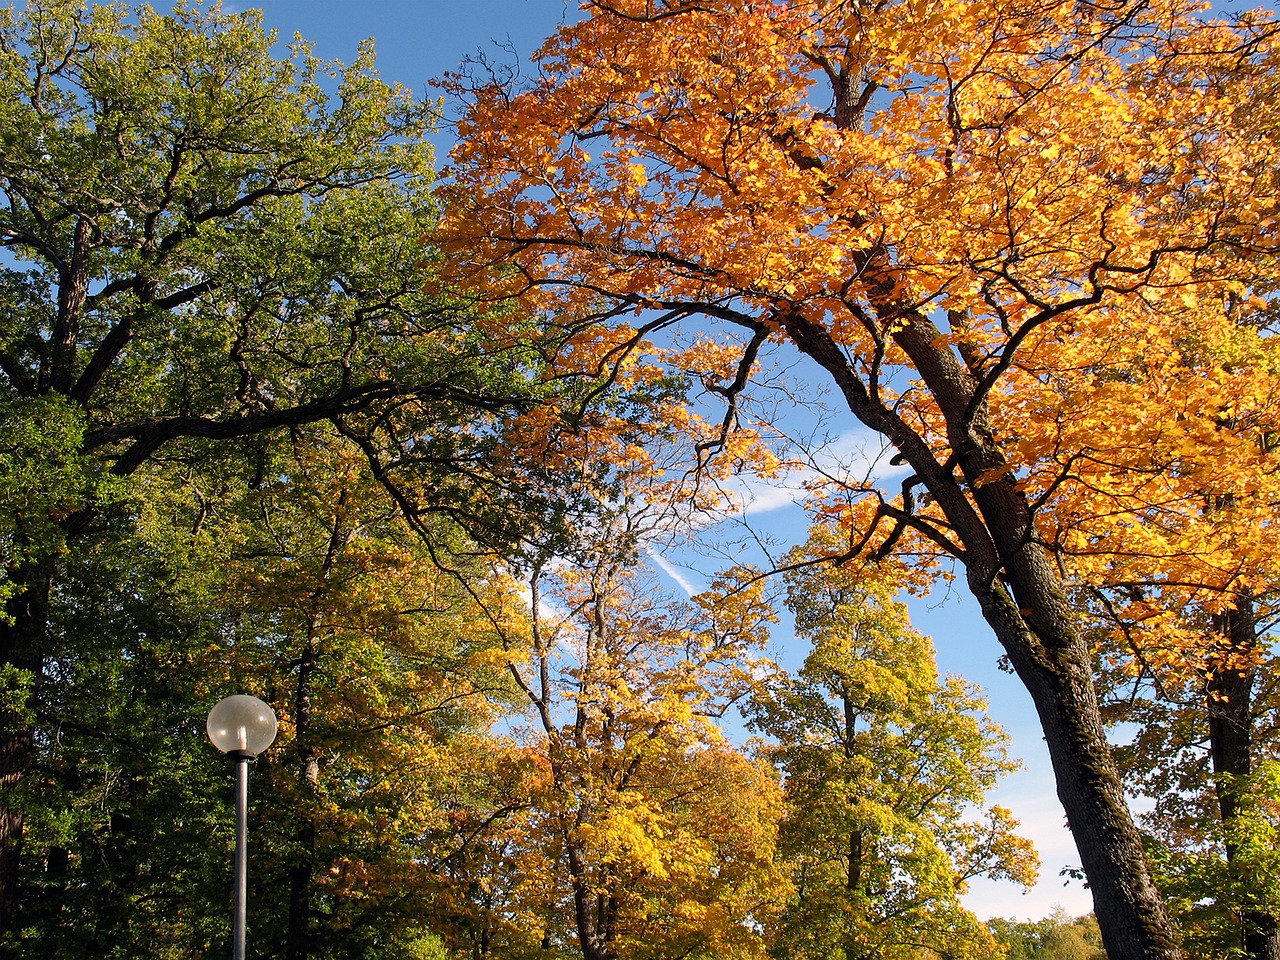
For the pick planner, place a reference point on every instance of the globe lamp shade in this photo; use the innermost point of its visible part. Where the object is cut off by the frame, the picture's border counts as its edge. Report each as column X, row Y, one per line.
column 241, row 725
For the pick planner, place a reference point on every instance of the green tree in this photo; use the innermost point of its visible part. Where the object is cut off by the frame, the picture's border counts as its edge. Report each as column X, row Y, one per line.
column 126, row 824
column 883, row 763
column 204, row 250
column 1057, row 937
column 312, row 591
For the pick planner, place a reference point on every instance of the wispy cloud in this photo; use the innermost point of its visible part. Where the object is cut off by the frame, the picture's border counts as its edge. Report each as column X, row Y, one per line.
column 854, row 457
column 678, row 575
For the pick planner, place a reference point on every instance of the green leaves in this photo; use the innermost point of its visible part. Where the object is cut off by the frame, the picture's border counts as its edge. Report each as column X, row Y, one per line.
column 44, row 477
column 882, row 763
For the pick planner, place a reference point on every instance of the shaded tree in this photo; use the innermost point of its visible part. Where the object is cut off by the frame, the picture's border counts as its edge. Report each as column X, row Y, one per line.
column 205, row 250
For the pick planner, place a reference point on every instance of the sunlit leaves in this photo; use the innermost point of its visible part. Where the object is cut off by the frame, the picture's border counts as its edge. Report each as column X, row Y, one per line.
column 1059, row 192
column 648, row 828
column 883, row 761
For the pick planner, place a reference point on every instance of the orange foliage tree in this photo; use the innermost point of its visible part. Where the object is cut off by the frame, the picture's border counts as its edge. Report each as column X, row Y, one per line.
column 372, row 655
column 1016, row 237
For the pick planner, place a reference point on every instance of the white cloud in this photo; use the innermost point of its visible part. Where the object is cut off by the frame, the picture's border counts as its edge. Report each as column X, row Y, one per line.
column 1030, row 795
column 855, row 457
column 680, row 576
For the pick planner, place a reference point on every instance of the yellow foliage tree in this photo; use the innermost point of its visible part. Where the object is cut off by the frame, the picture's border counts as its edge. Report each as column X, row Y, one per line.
column 373, row 657
column 646, row 827
column 885, row 765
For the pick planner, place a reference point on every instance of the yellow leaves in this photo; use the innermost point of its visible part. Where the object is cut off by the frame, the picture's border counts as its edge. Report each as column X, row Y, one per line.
column 737, row 610
column 627, row 838
column 669, row 827
column 497, row 657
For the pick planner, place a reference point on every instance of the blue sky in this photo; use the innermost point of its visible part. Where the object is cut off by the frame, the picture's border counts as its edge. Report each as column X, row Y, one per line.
column 418, row 40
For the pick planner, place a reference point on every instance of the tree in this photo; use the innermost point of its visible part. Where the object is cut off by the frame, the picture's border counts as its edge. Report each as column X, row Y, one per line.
column 882, row 762
column 205, row 250
column 645, row 827
column 1212, row 832
column 1057, row 937
column 311, row 591
column 1173, row 624
column 964, row 215
column 373, row 655
column 126, row 820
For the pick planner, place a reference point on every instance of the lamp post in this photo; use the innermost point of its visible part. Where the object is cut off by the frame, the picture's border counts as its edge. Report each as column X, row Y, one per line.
column 241, row 727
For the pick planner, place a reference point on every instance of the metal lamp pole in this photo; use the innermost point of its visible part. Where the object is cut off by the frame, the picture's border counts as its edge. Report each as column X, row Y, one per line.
column 241, row 727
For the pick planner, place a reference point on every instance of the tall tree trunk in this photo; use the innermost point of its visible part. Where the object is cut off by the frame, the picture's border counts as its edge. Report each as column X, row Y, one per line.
column 1229, row 705
column 992, row 531
column 1024, row 601
column 853, row 875
column 589, row 940
column 1129, row 908
column 302, row 870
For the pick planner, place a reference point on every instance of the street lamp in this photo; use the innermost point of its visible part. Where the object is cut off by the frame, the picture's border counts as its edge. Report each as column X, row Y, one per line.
column 241, row 727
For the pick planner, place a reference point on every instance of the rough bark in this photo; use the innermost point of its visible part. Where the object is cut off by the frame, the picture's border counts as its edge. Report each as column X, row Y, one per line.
column 1059, row 677
column 991, row 531
column 302, row 871
column 853, row 878
column 585, row 920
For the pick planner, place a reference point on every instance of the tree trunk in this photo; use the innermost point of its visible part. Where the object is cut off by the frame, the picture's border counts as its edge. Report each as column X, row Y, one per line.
column 1229, row 705
column 302, row 870
column 1026, row 605
column 992, row 531
column 583, row 903
column 1129, row 909
column 853, row 875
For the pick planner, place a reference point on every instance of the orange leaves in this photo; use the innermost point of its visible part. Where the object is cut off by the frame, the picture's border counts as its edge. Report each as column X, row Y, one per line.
column 1128, row 431
column 674, row 109
column 985, row 168
column 1007, row 231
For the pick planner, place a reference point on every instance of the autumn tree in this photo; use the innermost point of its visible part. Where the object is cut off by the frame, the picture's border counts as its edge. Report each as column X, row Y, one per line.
column 371, row 653
column 1179, row 634
column 1056, row 937
column 1219, row 871
column 648, row 835
column 311, row 591
column 1190, row 668
column 987, row 224
column 884, row 764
